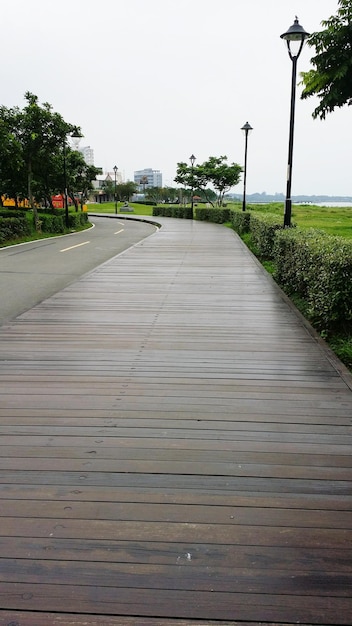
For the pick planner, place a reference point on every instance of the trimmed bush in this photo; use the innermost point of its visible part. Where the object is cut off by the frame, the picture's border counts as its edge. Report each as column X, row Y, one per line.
column 52, row 223
column 318, row 268
column 173, row 211
column 240, row 221
column 263, row 228
column 13, row 228
column 75, row 220
column 217, row 215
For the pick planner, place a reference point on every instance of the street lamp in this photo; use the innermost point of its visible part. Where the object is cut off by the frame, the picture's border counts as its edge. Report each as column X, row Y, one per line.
column 247, row 128
column 75, row 134
column 295, row 37
column 115, row 168
column 192, row 158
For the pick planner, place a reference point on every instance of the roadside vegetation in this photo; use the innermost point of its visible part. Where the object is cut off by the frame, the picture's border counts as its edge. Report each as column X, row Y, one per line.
column 312, row 263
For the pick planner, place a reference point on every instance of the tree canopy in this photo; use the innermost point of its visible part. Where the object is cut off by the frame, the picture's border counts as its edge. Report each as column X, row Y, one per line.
column 34, row 151
column 331, row 78
column 215, row 172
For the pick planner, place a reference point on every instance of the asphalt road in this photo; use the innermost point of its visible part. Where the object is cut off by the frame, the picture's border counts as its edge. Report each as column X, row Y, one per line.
column 31, row 272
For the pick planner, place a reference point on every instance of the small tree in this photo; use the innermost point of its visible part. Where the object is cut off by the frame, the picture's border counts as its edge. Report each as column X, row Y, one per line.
column 126, row 190
column 215, row 171
column 331, row 78
column 221, row 175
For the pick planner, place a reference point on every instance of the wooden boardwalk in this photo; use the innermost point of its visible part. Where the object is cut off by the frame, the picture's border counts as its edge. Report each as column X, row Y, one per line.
column 175, row 448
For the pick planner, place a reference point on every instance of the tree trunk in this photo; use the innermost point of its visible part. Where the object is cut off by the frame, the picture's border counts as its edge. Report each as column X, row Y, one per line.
column 30, row 197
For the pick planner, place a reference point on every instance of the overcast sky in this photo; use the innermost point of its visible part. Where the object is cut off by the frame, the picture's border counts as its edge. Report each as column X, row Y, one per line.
column 152, row 81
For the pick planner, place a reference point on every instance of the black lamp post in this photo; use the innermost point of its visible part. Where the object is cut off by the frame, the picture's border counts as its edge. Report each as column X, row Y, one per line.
column 247, row 128
column 75, row 134
column 115, row 168
column 192, row 158
column 295, row 38
column 65, row 187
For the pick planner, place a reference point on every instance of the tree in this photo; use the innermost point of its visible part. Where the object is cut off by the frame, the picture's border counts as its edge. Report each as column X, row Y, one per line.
column 221, row 175
column 331, row 78
column 79, row 176
column 36, row 161
column 12, row 182
column 193, row 179
column 154, row 194
column 43, row 136
column 215, row 171
column 126, row 190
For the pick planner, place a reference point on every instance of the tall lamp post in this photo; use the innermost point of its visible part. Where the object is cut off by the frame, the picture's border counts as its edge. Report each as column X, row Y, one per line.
column 192, row 158
column 247, row 128
column 115, row 168
column 75, row 134
column 65, row 187
column 295, row 37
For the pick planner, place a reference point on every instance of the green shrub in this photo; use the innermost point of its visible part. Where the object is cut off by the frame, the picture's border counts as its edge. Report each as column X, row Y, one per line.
column 176, row 210
column 318, row 268
column 263, row 228
column 217, row 215
column 13, row 228
column 75, row 220
column 11, row 213
column 51, row 211
column 240, row 221
column 52, row 223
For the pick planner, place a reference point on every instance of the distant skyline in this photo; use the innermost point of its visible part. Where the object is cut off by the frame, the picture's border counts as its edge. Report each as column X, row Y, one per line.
column 152, row 82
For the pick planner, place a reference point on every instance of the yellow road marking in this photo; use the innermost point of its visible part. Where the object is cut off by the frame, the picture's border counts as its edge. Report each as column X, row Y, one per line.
column 76, row 246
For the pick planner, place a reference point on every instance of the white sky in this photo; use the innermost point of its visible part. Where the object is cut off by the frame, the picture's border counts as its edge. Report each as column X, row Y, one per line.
column 152, row 81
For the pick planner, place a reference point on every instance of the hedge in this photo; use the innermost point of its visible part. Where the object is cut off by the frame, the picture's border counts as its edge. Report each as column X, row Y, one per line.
column 218, row 215
column 13, row 228
column 318, row 268
column 173, row 211
column 263, row 229
column 240, row 221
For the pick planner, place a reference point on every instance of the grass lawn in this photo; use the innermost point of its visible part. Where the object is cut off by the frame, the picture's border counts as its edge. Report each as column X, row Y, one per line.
column 109, row 207
column 332, row 220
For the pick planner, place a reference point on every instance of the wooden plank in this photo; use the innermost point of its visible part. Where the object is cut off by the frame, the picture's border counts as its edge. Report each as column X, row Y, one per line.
column 131, row 530
column 28, row 618
column 195, row 514
column 175, row 448
column 184, row 604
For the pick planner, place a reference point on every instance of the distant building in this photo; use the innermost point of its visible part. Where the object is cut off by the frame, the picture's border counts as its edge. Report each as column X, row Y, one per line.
column 148, row 178
column 88, row 154
column 109, row 177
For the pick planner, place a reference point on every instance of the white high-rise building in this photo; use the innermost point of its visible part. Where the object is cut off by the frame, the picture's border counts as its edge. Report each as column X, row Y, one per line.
column 88, row 154
column 148, row 178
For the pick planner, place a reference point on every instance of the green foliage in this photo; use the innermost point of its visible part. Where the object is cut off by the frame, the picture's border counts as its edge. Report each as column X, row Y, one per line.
column 240, row 221
column 317, row 268
column 342, row 346
column 78, row 219
column 219, row 215
column 126, row 190
column 175, row 210
column 263, row 228
column 51, row 223
column 331, row 78
column 215, row 172
column 13, row 228
column 35, row 160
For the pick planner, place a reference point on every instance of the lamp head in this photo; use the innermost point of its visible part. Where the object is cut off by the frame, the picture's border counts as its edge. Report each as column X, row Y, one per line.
column 192, row 158
column 295, row 37
column 246, row 128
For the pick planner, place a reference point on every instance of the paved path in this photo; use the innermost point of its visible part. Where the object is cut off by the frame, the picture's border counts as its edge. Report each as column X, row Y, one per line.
column 175, row 446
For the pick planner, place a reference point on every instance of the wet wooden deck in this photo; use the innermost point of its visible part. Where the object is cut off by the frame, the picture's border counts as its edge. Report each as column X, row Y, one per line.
column 175, row 448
